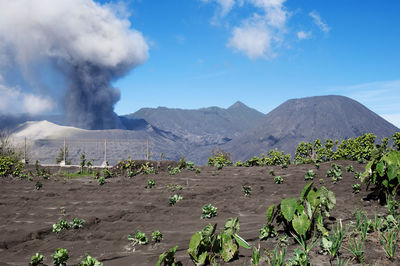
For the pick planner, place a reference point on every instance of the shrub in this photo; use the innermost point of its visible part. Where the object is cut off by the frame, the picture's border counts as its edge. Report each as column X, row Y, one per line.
column 208, row 211
column 219, row 159
column 396, row 140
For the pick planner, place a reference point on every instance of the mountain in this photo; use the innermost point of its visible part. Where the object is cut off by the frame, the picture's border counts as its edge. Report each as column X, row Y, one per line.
column 305, row 119
column 206, row 126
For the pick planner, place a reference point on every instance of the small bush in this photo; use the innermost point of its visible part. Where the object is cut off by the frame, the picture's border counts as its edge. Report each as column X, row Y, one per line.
column 60, row 257
column 208, row 211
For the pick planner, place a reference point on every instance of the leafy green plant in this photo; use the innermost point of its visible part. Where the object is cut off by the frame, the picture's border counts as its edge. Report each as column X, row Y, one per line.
column 396, row 140
column 357, row 175
column 61, row 225
column 107, row 173
column 299, row 258
column 277, row 258
column 174, row 199
column 268, row 230
column 256, row 256
column 350, row 169
column 356, row 188
column 77, row 223
column 309, row 175
column 90, row 261
column 174, row 187
column 60, row 257
column 168, row 258
column 101, row 181
column 173, row 171
column 208, row 211
column 384, row 173
column 156, row 236
column 317, row 165
column 278, row 179
column 150, row 183
column 271, row 172
column 389, row 242
column 206, row 244
column 83, row 161
column 246, row 190
column 139, row 238
column 335, row 173
column 36, row 259
column 197, row 170
column 332, row 242
column 38, row 185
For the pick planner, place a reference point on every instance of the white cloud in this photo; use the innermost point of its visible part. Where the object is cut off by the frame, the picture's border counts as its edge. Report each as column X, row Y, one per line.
column 393, row 118
column 225, row 6
column 318, row 21
column 252, row 38
column 302, row 35
column 13, row 100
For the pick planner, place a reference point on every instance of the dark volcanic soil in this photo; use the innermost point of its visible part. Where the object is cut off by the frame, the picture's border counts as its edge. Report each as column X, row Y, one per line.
column 123, row 205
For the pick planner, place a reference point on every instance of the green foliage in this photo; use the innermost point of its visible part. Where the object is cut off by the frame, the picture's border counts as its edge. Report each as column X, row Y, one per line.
column 131, row 169
column 168, row 258
column 197, row 170
column 107, row 173
column 303, row 216
column 38, row 185
column 246, row 190
column 309, row 175
column 90, row 261
column 389, row 242
column 173, row 171
column 220, row 159
column 300, row 258
column 174, row 199
column 36, row 259
column 77, row 223
column 61, row 225
column 256, row 256
column 304, row 153
column 156, row 236
column 278, row 179
column 350, row 169
column 174, row 187
column 356, row 248
column 60, row 257
column 10, row 166
column 268, row 230
column 357, row 175
column 356, row 188
column 150, row 183
column 208, row 211
column 277, row 258
column 274, row 157
column 396, row 140
column 101, row 181
column 83, row 161
column 139, row 238
column 332, row 242
column 384, row 173
column 205, row 245
column 335, row 173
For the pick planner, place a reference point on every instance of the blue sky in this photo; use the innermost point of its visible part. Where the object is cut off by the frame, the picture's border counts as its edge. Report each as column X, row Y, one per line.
column 311, row 48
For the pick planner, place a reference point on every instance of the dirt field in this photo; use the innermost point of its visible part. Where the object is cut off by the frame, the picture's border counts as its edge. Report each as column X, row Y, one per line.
column 123, row 205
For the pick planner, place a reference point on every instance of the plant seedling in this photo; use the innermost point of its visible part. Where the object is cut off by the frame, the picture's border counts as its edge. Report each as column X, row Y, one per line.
column 309, row 175
column 36, row 259
column 356, row 188
column 38, row 185
column 139, row 238
column 168, row 258
column 174, row 199
column 60, row 257
column 389, row 242
column 90, row 261
column 156, row 236
column 150, row 183
column 77, row 223
column 335, row 173
column 208, row 211
column 246, row 190
column 101, row 181
column 61, row 225
column 278, row 179
column 350, row 169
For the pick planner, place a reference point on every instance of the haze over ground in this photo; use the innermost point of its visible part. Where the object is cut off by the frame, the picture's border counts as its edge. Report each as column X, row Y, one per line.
column 195, row 53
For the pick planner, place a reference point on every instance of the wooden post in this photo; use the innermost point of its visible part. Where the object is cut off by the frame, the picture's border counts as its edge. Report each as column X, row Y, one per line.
column 65, row 151
column 105, row 163
column 25, row 161
column 147, row 152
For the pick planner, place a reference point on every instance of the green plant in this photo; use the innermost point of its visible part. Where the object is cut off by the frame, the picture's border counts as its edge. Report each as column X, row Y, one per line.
column 208, row 211
column 206, row 244
column 77, row 223
column 83, row 161
column 150, row 183
column 356, row 248
column 173, row 171
column 389, row 242
column 277, row 257
column 174, row 199
column 139, row 238
column 271, row 172
column 278, row 179
column 384, row 173
column 174, row 187
column 156, row 236
column 246, row 190
column 90, row 261
column 335, row 173
column 268, row 230
column 300, row 258
column 198, row 171
column 396, row 140
column 256, row 256
column 61, row 225
column 36, row 259
column 38, row 185
column 168, row 258
column 60, row 257
column 219, row 159
column 392, row 205
column 357, row 175
column 309, row 175
column 101, row 181
column 332, row 242
column 317, row 165
column 350, row 169
column 61, row 157
column 107, row 173
column 356, row 188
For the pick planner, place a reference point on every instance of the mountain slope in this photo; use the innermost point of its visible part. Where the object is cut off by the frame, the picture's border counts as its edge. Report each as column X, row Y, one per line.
column 305, row 119
column 211, row 125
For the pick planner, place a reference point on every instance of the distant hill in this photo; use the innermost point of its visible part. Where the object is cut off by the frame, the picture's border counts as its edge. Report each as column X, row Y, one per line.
column 206, row 126
column 305, row 119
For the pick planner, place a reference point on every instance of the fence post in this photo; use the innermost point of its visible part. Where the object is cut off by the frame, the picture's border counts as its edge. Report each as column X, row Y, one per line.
column 105, row 163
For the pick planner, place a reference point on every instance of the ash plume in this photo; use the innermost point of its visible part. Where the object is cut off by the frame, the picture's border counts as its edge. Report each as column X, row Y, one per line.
column 67, row 53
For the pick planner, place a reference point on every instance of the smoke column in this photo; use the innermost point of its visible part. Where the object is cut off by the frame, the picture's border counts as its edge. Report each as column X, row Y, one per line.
column 84, row 44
